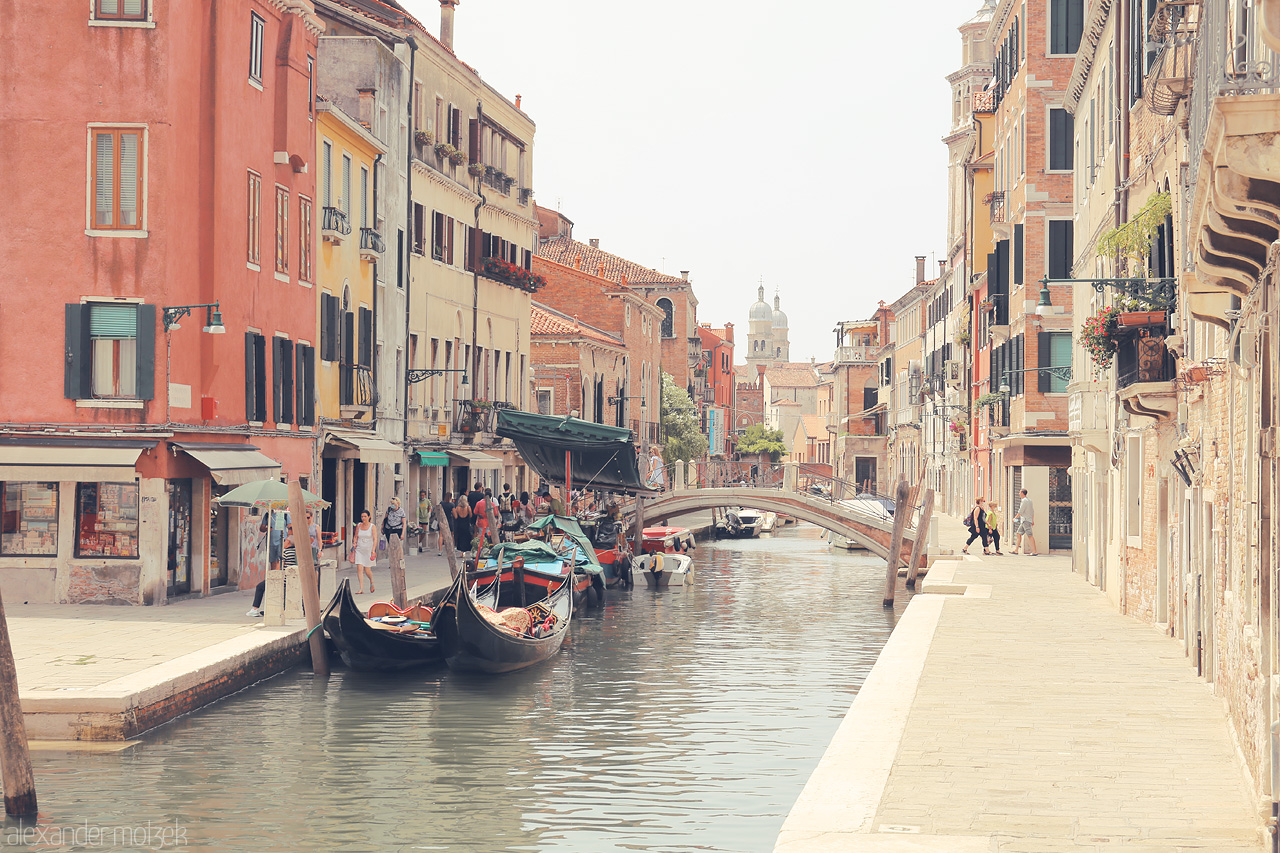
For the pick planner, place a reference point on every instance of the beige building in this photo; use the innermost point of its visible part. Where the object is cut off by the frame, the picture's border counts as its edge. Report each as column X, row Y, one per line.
column 907, row 379
column 472, row 236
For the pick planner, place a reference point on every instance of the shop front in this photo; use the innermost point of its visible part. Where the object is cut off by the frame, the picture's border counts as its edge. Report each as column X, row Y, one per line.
column 355, row 467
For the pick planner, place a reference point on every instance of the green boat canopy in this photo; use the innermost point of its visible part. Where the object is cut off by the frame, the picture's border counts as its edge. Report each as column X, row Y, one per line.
column 570, row 528
column 600, row 457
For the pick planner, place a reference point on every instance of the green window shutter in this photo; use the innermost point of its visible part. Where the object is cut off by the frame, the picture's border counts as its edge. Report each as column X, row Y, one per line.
column 1018, row 238
column 249, row 373
column 145, row 326
column 277, row 380
column 311, row 386
column 366, row 337
column 113, row 322
column 1042, row 360
column 76, row 371
column 300, row 382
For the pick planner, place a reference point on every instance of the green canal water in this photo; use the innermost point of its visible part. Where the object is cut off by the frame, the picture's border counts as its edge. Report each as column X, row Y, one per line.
column 671, row 721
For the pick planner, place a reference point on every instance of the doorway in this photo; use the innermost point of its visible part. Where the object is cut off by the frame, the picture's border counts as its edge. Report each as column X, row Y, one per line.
column 329, row 492
column 179, row 536
column 864, row 472
column 219, row 537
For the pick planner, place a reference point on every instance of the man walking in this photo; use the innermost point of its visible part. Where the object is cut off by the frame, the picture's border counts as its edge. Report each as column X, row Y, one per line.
column 1023, row 522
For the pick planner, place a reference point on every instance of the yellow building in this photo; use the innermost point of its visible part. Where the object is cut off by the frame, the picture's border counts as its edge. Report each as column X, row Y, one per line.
column 353, row 459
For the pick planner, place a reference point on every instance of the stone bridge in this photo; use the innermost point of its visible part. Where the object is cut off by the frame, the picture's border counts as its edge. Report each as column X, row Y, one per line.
column 865, row 525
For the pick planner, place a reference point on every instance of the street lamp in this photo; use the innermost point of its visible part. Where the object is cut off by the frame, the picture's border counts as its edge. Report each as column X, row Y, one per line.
column 1058, row 371
column 1160, row 293
column 213, row 317
column 416, row 376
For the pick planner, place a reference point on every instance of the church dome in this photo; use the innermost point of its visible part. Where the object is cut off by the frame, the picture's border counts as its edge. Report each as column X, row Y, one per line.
column 779, row 318
column 760, row 309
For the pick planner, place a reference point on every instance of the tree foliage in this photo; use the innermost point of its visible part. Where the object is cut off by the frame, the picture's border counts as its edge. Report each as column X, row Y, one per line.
column 680, row 422
column 760, row 439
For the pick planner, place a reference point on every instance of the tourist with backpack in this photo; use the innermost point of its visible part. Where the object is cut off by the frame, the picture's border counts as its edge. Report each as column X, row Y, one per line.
column 976, row 521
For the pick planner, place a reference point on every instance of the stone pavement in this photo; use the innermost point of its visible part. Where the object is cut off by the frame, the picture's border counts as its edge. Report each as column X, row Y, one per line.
column 106, row 672
column 1018, row 712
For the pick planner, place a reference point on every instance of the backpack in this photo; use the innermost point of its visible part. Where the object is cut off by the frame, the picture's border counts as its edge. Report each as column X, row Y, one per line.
column 968, row 519
column 504, row 503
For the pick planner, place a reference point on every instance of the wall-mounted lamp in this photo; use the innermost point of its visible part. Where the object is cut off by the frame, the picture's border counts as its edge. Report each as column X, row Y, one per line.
column 415, row 376
column 213, row 317
column 1160, row 293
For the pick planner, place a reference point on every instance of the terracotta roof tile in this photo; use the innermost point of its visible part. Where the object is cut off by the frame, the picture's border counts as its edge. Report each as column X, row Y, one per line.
column 793, row 375
column 814, row 425
column 562, row 250
column 548, row 321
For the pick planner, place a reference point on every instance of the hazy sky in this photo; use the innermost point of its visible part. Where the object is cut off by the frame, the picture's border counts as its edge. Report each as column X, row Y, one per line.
column 798, row 142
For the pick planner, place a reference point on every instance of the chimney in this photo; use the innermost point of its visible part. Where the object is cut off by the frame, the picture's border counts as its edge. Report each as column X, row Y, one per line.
column 446, row 23
column 942, row 267
column 595, row 242
column 684, row 274
column 518, row 101
column 919, row 269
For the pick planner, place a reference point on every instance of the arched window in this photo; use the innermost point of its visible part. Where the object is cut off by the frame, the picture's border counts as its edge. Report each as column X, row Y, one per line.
column 668, row 320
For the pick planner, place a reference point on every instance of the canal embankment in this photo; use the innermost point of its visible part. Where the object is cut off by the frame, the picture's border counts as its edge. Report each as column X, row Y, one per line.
column 1013, row 709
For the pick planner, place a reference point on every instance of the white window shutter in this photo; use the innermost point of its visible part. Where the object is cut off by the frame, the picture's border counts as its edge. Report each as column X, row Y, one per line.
column 104, row 177
column 129, row 179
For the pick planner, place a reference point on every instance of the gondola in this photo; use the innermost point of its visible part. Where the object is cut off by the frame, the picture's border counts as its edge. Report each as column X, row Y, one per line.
column 369, row 644
column 470, row 642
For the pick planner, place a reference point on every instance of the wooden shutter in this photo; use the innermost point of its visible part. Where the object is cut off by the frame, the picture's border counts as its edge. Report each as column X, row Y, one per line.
column 473, row 145
column 468, row 248
column 287, row 392
column 1018, row 238
column 76, row 379
column 455, row 127
column 348, row 337
column 259, row 378
column 366, row 337
column 998, row 284
column 311, row 386
column 146, row 352
column 300, row 383
column 250, row 375
column 277, row 380
column 1061, row 250
column 1169, row 258
column 449, row 228
column 1042, row 360
column 1061, row 130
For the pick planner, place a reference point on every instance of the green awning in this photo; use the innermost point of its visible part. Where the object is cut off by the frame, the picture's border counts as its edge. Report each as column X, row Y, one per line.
column 433, row 460
column 600, row 457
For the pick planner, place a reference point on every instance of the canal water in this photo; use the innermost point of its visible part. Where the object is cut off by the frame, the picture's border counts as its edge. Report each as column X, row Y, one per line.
column 672, row 721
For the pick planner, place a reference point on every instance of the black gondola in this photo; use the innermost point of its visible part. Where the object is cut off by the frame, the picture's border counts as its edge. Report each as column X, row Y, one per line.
column 470, row 642
column 366, row 647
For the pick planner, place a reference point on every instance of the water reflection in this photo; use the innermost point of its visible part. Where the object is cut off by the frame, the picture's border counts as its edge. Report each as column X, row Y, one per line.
column 675, row 720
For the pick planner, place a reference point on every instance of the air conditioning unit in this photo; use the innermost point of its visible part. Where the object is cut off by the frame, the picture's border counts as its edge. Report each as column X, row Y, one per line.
column 954, row 372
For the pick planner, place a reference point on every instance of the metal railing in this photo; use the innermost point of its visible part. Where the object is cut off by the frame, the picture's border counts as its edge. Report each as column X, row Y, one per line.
column 997, row 202
column 335, row 220
column 371, row 240
column 856, row 353
column 649, row 430
column 355, row 386
column 1144, row 359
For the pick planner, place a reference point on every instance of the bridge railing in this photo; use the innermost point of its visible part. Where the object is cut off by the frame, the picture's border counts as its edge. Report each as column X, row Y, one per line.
column 816, row 482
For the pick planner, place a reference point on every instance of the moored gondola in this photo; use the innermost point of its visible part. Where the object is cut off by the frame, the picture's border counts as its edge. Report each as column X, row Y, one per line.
column 476, row 638
column 368, row 644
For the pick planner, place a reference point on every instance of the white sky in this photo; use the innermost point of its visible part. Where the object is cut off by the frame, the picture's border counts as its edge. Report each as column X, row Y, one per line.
column 800, row 142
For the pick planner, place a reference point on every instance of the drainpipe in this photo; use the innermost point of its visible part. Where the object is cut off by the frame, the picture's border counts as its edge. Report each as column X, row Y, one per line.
column 475, row 268
column 1122, row 198
column 374, row 378
column 408, row 225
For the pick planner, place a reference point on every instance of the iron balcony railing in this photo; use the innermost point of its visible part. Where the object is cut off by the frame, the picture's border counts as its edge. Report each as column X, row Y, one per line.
column 1144, row 358
column 371, row 240
column 856, row 353
column 997, row 202
column 336, row 220
column 355, row 386
column 647, row 430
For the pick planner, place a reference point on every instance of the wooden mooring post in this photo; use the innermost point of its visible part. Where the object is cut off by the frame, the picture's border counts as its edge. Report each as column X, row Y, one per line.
column 922, row 533
column 310, row 580
column 15, row 756
column 900, row 505
column 446, row 539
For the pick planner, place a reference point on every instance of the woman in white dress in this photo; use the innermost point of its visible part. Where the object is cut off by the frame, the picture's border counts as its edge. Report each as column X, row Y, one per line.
column 364, row 550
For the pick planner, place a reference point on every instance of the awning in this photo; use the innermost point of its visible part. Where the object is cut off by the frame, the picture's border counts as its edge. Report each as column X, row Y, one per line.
column 232, row 464
column 598, row 456
column 878, row 408
column 367, row 446
column 76, row 461
column 428, row 459
column 476, row 459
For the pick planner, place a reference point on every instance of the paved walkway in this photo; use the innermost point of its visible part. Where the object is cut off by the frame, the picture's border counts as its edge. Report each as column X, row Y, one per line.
column 1020, row 713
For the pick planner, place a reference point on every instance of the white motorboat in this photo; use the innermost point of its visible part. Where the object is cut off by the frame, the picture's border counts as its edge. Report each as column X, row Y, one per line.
column 770, row 522
column 664, row 570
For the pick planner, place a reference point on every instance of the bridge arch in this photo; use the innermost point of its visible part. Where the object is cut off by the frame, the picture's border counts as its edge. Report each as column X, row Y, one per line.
column 870, row 531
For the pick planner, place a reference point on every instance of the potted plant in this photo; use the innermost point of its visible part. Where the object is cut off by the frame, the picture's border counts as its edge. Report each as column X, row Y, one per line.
column 1098, row 337
column 989, row 399
column 457, row 158
column 424, row 137
column 476, row 170
column 444, row 149
column 986, row 304
column 964, row 337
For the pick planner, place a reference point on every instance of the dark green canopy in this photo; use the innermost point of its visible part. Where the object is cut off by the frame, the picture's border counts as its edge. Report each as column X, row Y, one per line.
column 601, row 457
column 536, row 551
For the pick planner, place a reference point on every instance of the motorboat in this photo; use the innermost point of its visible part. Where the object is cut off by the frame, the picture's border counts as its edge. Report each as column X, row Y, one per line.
column 770, row 522
column 739, row 523
column 665, row 570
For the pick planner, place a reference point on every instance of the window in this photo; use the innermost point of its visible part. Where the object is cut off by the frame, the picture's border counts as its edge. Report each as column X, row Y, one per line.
column 110, row 351
column 419, row 229
column 107, row 520
column 345, row 201
column 304, row 239
column 330, row 308
column 668, row 319
column 257, row 27
column 1066, row 22
column 117, row 179
column 255, row 377
column 254, row 254
column 1058, row 261
column 1055, row 351
column 120, row 10
column 305, row 383
column 282, row 230
column 364, row 197
column 311, row 85
column 282, row 380
column 1061, row 131
column 29, row 519
column 1133, row 490
column 442, row 229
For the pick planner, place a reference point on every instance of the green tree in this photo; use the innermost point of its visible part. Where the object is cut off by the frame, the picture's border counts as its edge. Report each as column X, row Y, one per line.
column 760, row 439
column 680, row 422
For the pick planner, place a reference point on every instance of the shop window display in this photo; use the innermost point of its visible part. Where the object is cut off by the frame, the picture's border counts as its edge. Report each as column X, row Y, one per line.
column 29, row 519
column 107, row 520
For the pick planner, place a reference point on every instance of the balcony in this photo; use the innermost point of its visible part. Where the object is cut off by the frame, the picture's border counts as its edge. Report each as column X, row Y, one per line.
column 334, row 226
column 371, row 245
column 1145, row 373
column 498, row 180
column 477, row 417
column 845, row 355
column 647, row 431
column 996, row 201
column 355, row 387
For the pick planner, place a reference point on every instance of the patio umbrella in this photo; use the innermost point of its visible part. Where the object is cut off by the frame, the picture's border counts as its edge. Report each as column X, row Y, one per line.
column 268, row 494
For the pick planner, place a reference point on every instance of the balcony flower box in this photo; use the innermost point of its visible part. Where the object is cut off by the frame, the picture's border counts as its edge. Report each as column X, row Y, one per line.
column 457, row 158
column 424, row 137
column 1141, row 318
column 509, row 273
column 476, row 170
column 470, row 424
column 445, row 150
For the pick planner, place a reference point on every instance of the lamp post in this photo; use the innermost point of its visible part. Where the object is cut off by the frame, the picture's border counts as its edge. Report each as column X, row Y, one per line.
column 1160, row 293
column 170, row 316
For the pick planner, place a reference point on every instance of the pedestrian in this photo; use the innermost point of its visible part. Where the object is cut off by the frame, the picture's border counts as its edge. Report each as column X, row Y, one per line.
column 273, row 524
column 463, row 526
column 446, row 506
column 475, row 495
column 394, row 527
column 1023, row 525
column 993, row 526
column 425, row 520
column 288, row 560
column 482, row 517
column 364, row 546
column 506, row 505
column 976, row 521
column 657, row 471
column 525, row 513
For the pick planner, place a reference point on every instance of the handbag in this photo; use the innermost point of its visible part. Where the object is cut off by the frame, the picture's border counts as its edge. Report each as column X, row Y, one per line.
column 351, row 556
